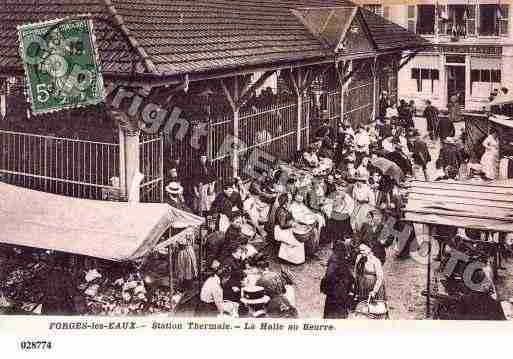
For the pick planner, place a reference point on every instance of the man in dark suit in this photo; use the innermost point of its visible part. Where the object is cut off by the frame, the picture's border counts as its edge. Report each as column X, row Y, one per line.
column 431, row 115
column 446, row 128
column 421, row 156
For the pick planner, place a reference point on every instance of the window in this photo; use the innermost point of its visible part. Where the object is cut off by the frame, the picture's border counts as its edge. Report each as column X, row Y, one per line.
column 485, row 76
column 470, row 16
column 461, row 20
column 495, row 76
column 375, row 8
column 475, row 75
column 425, row 79
column 493, row 19
column 425, row 19
column 484, row 80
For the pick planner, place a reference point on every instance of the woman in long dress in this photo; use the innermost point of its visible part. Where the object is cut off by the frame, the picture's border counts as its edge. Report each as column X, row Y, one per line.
column 490, row 159
column 364, row 201
column 186, row 265
column 204, row 181
column 369, row 275
column 291, row 250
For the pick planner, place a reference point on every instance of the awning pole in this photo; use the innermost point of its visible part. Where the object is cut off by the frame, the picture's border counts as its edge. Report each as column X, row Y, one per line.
column 170, row 263
column 428, row 297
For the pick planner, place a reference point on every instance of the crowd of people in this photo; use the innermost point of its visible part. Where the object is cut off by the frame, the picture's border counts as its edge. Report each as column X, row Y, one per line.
column 339, row 191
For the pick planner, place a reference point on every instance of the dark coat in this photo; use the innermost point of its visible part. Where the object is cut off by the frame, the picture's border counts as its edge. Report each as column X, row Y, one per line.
column 420, row 152
column 224, row 204
column 446, row 128
column 214, row 247
column 406, row 116
column 450, row 155
column 337, row 284
column 203, row 174
column 431, row 115
column 383, row 105
column 402, row 161
column 236, row 276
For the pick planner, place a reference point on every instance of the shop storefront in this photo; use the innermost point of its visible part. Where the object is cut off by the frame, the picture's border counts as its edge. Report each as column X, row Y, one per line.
column 473, row 72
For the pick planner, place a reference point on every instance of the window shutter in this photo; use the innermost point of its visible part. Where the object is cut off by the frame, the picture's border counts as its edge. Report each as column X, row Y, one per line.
column 504, row 23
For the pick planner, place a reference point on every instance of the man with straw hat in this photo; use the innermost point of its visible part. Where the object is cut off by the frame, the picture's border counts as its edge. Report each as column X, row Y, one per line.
column 175, row 196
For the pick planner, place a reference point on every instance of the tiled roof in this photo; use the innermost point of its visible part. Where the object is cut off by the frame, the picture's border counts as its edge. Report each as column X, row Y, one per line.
column 181, row 36
column 388, row 35
column 114, row 52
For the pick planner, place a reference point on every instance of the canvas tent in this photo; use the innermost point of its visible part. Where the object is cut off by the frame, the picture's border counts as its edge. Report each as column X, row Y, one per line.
column 116, row 231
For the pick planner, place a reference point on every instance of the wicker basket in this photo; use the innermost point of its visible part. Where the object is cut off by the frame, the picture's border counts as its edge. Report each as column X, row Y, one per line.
column 375, row 310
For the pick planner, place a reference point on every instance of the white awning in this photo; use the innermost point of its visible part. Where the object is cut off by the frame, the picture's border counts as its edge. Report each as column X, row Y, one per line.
column 117, row 231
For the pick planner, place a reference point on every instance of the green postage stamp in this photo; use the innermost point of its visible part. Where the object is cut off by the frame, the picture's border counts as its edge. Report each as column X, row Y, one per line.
column 61, row 64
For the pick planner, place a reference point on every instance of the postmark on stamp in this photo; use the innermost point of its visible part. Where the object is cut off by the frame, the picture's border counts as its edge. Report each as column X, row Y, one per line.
column 61, row 64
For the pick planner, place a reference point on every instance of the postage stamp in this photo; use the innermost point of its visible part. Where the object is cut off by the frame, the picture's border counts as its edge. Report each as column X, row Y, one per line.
column 61, row 64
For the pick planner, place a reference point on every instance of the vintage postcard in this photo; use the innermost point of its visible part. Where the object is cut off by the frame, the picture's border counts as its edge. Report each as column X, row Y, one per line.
column 254, row 166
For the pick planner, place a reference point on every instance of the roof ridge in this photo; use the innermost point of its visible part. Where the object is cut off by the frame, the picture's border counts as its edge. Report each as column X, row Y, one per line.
column 119, row 21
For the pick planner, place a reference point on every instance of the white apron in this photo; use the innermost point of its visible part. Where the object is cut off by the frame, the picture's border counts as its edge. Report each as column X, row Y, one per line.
column 291, row 250
column 224, row 223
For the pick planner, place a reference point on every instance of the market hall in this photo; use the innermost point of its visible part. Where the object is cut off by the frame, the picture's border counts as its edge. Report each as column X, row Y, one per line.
column 211, row 60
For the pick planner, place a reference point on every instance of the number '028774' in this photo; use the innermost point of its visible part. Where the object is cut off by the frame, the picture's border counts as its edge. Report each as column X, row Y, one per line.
column 35, row 345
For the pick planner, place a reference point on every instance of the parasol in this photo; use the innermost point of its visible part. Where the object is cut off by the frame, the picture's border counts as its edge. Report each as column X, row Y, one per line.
column 388, row 168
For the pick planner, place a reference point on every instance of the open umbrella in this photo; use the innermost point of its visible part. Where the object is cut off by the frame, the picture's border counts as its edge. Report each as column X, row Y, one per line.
column 388, row 168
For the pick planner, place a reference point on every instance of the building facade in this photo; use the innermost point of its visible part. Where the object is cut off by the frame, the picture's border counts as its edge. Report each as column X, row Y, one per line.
column 472, row 52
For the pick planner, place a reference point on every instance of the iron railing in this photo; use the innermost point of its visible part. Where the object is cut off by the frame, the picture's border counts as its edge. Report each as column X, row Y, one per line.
column 151, row 166
column 57, row 165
